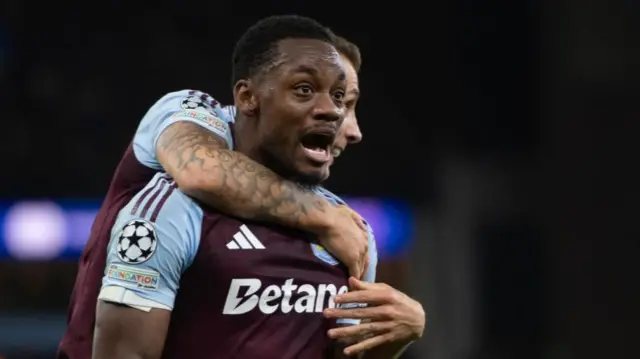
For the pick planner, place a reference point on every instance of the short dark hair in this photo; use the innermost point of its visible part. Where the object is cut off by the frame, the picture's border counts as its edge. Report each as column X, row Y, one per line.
column 349, row 50
column 257, row 46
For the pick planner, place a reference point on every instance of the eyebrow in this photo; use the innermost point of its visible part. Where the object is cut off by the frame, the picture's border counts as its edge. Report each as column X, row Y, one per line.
column 314, row 72
column 306, row 69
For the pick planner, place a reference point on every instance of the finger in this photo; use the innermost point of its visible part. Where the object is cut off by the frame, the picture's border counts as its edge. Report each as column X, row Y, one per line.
column 357, row 284
column 346, row 209
column 355, row 271
column 358, row 219
column 373, row 313
column 369, row 343
column 373, row 297
column 354, row 283
column 365, row 269
column 360, row 329
column 360, row 222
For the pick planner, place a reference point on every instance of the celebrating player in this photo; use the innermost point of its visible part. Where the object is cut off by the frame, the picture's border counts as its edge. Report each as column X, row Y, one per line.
column 77, row 340
column 398, row 318
column 247, row 290
column 221, row 178
column 350, row 130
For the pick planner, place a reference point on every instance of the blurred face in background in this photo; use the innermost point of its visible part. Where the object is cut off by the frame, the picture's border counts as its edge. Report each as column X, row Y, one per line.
column 349, row 131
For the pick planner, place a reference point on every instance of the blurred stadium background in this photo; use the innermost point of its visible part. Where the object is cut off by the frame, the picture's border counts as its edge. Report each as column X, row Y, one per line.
column 500, row 138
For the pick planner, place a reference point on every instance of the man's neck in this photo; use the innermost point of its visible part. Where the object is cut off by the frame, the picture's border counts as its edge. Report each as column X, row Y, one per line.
column 245, row 141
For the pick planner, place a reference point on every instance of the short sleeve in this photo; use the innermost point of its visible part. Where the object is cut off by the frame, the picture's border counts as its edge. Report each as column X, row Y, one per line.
column 370, row 275
column 229, row 113
column 147, row 255
column 186, row 105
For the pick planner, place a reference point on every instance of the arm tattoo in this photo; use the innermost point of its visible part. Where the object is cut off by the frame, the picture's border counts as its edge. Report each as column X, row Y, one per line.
column 242, row 186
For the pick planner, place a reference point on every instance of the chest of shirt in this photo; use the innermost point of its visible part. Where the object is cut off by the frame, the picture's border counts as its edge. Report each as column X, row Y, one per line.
column 272, row 269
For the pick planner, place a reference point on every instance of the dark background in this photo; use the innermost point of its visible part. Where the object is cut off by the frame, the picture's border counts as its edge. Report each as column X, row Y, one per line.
column 510, row 127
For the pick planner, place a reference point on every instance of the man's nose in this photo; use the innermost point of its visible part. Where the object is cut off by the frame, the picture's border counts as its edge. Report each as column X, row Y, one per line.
column 352, row 130
column 327, row 109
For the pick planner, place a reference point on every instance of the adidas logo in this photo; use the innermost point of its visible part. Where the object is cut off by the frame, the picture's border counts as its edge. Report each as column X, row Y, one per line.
column 244, row 239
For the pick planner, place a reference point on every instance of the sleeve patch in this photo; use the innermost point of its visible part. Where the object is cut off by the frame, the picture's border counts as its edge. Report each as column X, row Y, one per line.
column 202, row 103
column 137, row 242
column 201, row 116
column 144, row 279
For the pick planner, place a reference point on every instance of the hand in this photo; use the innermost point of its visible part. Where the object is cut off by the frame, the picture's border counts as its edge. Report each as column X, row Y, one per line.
column 347, row 239
column 394, row 317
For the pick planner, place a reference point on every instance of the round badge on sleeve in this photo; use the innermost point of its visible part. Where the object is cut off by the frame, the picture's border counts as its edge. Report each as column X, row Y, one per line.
column 197, row 103
column 137, row 242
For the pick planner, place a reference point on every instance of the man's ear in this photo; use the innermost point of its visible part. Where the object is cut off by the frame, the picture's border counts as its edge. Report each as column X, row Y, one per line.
column 245, row 98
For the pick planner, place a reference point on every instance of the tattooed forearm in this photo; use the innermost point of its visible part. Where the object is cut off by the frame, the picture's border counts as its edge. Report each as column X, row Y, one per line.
column 231, row 181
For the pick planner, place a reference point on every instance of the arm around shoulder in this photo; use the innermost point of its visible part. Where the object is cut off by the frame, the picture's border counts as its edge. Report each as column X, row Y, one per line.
column 205, row 168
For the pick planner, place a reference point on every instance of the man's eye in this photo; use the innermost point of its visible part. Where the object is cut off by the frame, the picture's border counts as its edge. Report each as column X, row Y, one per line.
column 304, row 89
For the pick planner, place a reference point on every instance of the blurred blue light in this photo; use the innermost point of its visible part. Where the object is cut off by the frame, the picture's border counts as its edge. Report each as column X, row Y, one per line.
column 59, row 229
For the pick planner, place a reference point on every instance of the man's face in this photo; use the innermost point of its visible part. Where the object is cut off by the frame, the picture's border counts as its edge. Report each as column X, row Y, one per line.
column 349, row 131
column 301, row 108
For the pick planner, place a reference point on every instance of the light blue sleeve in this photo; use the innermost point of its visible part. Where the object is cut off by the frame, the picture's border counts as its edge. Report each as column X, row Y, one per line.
column 370, row 275
column 154, row 240
column 229, row 113
column 186, row 105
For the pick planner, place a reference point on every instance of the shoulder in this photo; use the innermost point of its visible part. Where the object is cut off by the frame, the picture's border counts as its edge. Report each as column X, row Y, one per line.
column 229, row 113
column 335, row 199
column 161, row 207
column 192, row 106
column 155, row 239
column 330, row 196
column 188, row 100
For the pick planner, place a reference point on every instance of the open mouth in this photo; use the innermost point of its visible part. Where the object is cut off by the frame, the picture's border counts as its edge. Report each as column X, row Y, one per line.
column 317, row 145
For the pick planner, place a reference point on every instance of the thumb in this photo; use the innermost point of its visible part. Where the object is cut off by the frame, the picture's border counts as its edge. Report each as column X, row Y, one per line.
column 365, row 269
column 354, row 271
column 359, row 221
column 357, row 284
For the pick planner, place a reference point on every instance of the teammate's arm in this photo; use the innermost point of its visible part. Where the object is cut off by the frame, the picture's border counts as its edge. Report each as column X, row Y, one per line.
column 187, row 134
column 205, row 168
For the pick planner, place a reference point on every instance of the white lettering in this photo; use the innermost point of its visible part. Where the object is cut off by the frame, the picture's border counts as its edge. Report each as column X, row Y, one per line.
column 287, row 289
column 306, row 303
column 232, row 304
column 323, row 289
column 305, row 298
column 268, row 299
